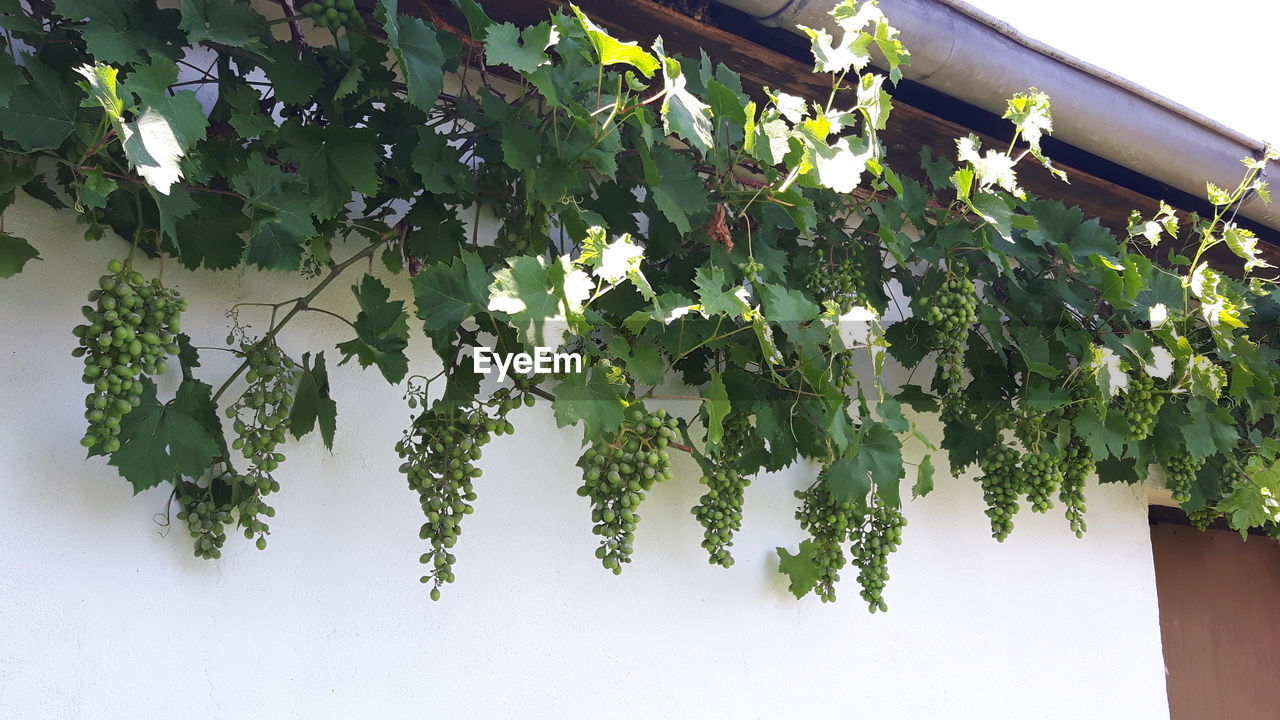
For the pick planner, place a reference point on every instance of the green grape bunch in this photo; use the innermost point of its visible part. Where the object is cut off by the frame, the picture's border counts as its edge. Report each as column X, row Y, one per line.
column 617, row 473
column 523, row 233
column 719, row 510
column 1076, row 465
column 841, row 283
column 334, row 14
column 205, row 518
column 829, row 522
column 131, row 331
column 260, row 419
column 876, row 535
column 1141, row 404
column 1002, row 485
column 1180, row 476
column 1204, row 517
column 1042, row 476
column 438, row 453
column 952, row 310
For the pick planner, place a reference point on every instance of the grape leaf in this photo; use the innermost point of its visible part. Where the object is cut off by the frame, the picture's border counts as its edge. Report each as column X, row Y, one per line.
column 924, row 478
column 418, row 51
column 712, row 295
column 683, row 114
column 716, row 399
column 40, row 115
column 647, row 365
column 593, row 398
column 312, row 403
column 226, row 23
column 477, row 21
column 447, row 294
column 438, row 163
column 334, row 161
column 160, row 442
column 522, row 50
column 910, row 341
column 283, row 220
column 839, row 166
column 293, row 82
column 612, row 51
column 14, row 254
column 678, row 193
column 382, row 331
column 802, row 568
column 212, row 235
column 1209, row 431
column 523, row 290
column 876, row 458
column 120, row 32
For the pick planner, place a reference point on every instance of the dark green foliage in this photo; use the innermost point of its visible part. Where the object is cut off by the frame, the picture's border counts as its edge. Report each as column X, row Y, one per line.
column 652, row 218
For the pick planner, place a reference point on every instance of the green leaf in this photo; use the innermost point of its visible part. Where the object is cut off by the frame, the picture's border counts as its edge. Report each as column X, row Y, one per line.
column 447, row 294
column 293, row 82
column 593, row 398
column 1210, row 430
column 683, row 114
column 212, row 235
column 14, row 254
column 522, row 50
column 909, row 341
column 611, row 51
column 121, row 32
column 529, row 291
column 917, row 398
column 646, row 365
column 418, row 51
column 153, row 149
column 382, row 331
column 161, row 442
column 802, row 568
column 840, row 165
column 283, row 218
column 679, row 193
column 40, row 115
column 1104, row 436
column 438, row 164
column 334, row 161
column 170, row 124
column 924, row 478
column 875, row 459
column 100, row 81
column 477, row 21
column 312, row 403
column 786, row 305
column 716, row 400
column 725, row 103
column 1244, row 244
column 712, row 296
column 11, row 77
column 225, row 23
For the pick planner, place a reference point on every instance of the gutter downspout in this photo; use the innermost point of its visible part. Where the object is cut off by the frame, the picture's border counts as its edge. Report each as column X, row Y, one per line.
column 963, row 52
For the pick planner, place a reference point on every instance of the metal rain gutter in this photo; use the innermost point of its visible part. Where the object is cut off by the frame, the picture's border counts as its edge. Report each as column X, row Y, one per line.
column 967, row 54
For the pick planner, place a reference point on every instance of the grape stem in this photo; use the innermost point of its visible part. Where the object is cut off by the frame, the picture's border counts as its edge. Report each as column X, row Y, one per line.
column 301, row 304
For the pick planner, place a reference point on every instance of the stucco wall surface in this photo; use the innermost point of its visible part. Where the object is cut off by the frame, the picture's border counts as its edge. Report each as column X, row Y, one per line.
column 103, row 615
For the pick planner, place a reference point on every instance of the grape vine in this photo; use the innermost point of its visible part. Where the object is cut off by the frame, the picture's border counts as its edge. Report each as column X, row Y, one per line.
column 657, row 216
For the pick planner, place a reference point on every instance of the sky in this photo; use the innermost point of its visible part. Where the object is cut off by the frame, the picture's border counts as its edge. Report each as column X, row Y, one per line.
column 1218, row 58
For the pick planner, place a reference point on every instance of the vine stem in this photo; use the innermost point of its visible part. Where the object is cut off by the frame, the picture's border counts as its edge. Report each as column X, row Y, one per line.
column 299, row 305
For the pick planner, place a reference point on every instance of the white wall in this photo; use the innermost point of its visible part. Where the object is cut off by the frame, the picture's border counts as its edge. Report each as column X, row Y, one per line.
column 103, row 616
